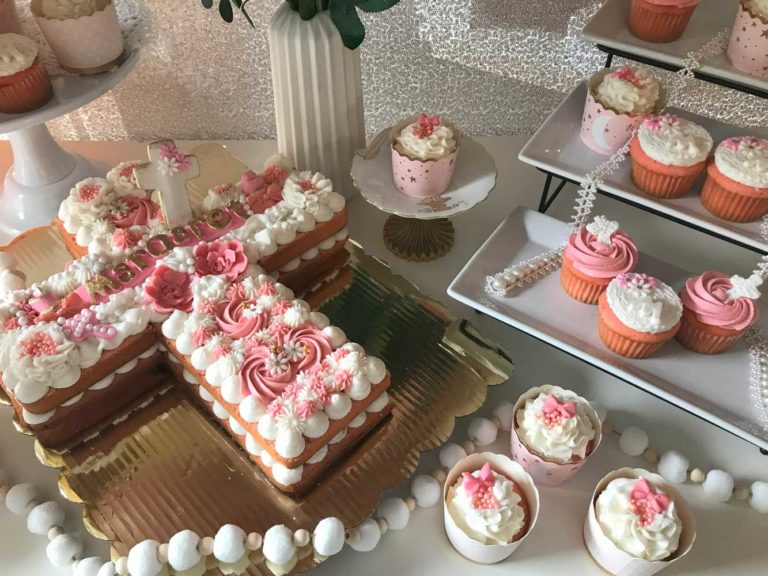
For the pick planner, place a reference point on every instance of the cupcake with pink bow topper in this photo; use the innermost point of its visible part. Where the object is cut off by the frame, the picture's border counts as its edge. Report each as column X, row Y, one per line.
column 490, row 504
column 637, row 523
column 424, row 151
column 736, row 187
column 555, row 431
column 669, row 154
column 748, row 46
column 717, row 310
column 594, row 255
column 617, row 101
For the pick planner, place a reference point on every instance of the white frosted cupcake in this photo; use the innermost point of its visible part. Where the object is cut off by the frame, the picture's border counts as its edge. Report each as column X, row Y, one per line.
column 84, row 34
column 24, row 82
column 555, row 431
column 637, row 523
column 424, row 152
column 490, row 505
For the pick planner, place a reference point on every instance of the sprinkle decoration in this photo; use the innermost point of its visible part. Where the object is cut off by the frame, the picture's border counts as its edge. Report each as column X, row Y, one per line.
column 83, row 325
column 646, row 502
column 480, row 487
column 88, row 192
column 39, row 344
column 656, row 123
column 426, row 125
column 626, row 74
column 555, row 412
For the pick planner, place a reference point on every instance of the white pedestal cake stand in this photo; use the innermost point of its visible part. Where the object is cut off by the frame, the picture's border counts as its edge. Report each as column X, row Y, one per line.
column 418, row 228
column 42, row 173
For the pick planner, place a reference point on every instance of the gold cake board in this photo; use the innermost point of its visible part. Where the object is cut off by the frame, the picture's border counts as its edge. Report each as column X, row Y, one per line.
column 167, row 467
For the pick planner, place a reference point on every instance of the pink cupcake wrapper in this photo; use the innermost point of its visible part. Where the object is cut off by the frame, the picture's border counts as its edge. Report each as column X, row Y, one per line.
column 544, row 471
column 748, row 49
column 614, row 560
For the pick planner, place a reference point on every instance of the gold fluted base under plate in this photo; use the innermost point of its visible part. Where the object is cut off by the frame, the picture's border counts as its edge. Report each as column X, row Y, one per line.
column 418, row 240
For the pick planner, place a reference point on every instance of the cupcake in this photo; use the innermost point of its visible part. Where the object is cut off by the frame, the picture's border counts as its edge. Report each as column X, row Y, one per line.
column 668, row 155
column 424, row 154
column 9, row 20
column 490, row 504
column 595, row 255
column 717, row 310
column 84, row 34
column 555, row 431
column 637, row 523
column 660, row 20
column 637, row 314
column 617, row 102
column 736, row 187
column 24, row 82
column 748, row 46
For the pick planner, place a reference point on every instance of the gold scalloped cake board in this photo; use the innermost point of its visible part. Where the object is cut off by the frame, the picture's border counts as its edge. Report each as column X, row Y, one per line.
column 167, row 466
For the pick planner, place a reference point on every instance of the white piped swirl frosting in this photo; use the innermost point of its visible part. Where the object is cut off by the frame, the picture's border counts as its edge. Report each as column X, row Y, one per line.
column 626, row 91
column 68, row 9
column 560, row 434
column 634, row 529
column 644, row 303
column 435, row 143
column 674, row 141
column 17, row 53
column 745, row 160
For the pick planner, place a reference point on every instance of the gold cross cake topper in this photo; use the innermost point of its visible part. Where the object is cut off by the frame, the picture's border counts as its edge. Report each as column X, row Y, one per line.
column 167, row 172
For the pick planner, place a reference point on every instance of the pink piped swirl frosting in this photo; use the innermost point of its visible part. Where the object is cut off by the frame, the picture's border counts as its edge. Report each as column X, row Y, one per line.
column 135, row 211
column 266, row 372
column 307, row 346
column 707, row 297
column 598, row 260
column 240, row 318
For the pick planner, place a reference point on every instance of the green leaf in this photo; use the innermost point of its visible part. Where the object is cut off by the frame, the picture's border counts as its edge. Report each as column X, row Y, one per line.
column 225, row 10
column 375, row 5
column 207, row 3
column 348, row 24
column 307, row 9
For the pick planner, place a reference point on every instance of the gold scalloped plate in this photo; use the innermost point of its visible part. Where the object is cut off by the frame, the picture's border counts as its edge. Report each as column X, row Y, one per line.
column 166, row 466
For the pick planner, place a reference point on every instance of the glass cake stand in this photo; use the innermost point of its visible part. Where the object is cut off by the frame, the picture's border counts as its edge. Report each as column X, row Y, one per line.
column 418, row 229
column 42, row 172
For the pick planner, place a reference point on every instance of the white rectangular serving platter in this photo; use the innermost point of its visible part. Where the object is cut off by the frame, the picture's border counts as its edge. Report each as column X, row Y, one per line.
column 556, row 147
column 608, row 27
column 716, row 388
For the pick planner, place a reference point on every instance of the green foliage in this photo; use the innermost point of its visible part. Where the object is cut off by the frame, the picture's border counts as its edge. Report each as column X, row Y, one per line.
column 343, row 14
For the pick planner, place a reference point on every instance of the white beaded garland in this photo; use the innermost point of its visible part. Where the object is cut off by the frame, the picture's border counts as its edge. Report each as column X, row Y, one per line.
column 19, row 497
column 633, row 441
column 45, row 516
column 426, row 490
column 368, row 536
column 451, row 453
column 107, row 569
column 182, row 550
column 328, row 537
column 121, row 565
column 206, row 546
column 278, row 545
column 759, row 499
column 718, row 485
column 142, row 559
column 482, row 431
column 88, row 566
column 505, row 412
column 253, row 541
column 673, row 467
column 395, row 512
column 63, row 550
column 229, row 544
column 301, row 538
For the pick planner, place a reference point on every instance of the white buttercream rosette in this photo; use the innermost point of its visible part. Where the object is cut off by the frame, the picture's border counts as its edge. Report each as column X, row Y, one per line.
column 313, row 193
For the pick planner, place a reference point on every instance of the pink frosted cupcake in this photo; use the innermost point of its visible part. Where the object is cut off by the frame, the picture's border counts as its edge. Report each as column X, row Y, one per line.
column 717, row 310
column 595, row 255
column 748, row 47
column 24, row 82
column 424, row 154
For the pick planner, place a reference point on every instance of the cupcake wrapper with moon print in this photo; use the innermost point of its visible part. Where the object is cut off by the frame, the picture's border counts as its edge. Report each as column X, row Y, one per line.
column 604, row 130
column 748, row 47
column 27, row 90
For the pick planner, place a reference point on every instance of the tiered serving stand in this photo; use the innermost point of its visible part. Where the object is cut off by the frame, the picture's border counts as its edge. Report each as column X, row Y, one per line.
column 693, row 382
column 42, row 172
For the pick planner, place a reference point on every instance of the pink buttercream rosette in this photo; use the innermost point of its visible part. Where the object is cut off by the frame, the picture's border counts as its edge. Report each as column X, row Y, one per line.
column 544, row 471
column 602, row 129
column 748, row 47
column 462, row 542
column 422, row 178
column 85, row 45
column 614, row 560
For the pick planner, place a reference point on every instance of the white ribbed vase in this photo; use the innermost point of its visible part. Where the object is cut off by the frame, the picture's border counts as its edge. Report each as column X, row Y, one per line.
column 318, row 95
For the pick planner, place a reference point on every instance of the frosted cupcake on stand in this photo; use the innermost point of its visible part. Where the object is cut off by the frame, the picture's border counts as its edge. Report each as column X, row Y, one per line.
column 669, row 154
column 748, row 46
column 24, row 82
column 717, row 311
column 84, row 34
column 617, row 102
column 637, row 523
column 424, row 152
column 490, row 504
column 555, row 431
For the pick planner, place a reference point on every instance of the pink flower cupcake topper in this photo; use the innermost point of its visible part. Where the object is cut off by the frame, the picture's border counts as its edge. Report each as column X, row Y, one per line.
column 169, row 290
column 426, row 125
column 480, row 487
column 555, row 412
column 220, row 258
column 173, row 160
column 646, row 502
column 626, row 74
column 656, row 123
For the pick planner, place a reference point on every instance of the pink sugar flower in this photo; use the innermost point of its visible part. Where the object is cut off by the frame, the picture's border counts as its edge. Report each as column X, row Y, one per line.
column 220, row 258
